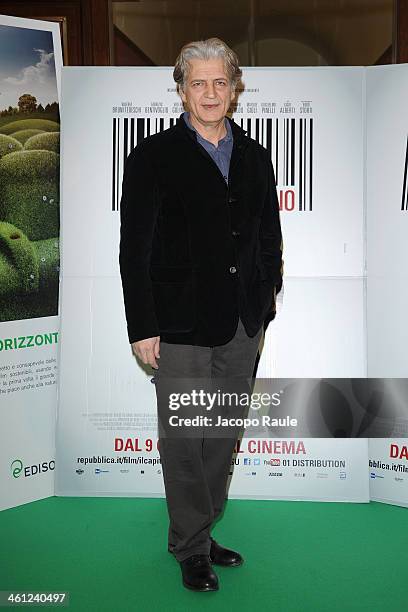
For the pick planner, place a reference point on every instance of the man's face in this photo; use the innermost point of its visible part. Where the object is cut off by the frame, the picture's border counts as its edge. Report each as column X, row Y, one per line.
column 207, row 91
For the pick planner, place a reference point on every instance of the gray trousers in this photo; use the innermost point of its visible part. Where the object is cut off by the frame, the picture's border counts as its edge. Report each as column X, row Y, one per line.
column 196, row 469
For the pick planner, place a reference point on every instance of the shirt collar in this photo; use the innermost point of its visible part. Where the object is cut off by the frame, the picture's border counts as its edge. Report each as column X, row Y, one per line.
column 227, row 137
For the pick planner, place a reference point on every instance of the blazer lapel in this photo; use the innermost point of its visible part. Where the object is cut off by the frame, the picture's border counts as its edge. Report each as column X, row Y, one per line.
column 238, row 147
column 240, row 144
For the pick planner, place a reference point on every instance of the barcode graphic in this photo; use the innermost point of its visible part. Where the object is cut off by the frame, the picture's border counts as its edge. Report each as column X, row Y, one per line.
column 126, row 134
column 404, row 202
column 288, row 140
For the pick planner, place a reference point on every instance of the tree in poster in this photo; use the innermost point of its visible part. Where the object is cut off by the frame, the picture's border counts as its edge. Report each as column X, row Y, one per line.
column 27, row 103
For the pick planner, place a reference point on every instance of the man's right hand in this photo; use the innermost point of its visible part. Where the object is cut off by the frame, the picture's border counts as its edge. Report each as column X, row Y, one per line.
column 148, row 350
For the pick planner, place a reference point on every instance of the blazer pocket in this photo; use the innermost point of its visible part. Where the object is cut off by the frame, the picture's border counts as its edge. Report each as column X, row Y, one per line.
column 262, row 275
column 171, row 274
column 266, row 299
column 174, row 298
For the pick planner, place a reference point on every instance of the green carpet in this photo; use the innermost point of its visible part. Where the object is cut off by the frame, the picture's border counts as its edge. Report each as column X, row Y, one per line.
column 111, row 554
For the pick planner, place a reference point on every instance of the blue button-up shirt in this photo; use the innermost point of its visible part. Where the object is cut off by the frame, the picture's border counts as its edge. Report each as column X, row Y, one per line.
column 221, row 154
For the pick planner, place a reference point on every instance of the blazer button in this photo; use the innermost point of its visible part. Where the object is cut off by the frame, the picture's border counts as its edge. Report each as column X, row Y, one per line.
column 232, row 269
column 236, row 234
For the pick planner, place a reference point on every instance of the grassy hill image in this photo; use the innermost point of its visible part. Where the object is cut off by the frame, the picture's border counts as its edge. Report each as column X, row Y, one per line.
column 43, row 125
column 29, row 216
column 29, row 175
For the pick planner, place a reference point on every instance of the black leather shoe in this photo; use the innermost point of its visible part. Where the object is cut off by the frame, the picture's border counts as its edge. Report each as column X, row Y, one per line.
column 224, row 556
column 198, row 574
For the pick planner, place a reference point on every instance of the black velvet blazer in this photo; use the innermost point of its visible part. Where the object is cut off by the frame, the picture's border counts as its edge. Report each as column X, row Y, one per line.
column 196, row 253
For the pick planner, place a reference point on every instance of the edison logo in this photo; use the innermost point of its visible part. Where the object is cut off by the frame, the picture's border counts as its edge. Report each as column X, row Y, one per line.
column 17, row 468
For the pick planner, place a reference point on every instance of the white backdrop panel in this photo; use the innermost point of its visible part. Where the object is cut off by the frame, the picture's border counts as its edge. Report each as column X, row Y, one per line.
column 389, row 470
column 387, row 223
column 104, row 395
column 319, row 331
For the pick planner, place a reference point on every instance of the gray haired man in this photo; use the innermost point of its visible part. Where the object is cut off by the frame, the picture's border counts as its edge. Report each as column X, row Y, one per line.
column 201, row 264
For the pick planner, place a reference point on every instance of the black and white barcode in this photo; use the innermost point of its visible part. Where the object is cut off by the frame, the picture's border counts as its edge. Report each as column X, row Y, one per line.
column 404, row 201
column 288, row 140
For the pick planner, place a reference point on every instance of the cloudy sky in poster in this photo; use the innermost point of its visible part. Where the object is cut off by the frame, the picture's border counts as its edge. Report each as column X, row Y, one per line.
column 26, row 66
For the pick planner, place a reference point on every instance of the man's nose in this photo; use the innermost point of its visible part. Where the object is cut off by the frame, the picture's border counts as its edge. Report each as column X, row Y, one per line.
column 210, row 91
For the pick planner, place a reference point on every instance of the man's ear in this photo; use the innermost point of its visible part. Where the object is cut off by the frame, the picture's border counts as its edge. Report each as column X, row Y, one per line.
column 233, row 95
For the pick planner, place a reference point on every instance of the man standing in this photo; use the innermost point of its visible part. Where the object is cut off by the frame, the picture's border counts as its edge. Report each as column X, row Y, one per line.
column 201, row 264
